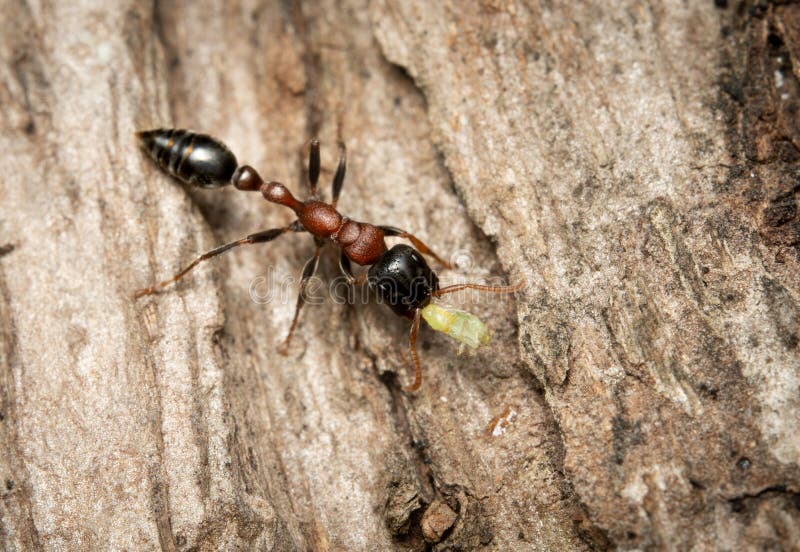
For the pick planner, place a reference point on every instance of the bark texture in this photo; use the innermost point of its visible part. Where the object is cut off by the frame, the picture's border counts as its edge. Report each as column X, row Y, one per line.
column 636, row 162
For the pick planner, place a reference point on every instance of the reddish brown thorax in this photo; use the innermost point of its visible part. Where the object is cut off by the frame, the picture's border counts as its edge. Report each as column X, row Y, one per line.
column 361, row 242
column 321, row 219
column 367, row 247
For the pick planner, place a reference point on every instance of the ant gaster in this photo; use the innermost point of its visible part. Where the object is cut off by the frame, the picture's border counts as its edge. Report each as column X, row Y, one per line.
column 400, row 276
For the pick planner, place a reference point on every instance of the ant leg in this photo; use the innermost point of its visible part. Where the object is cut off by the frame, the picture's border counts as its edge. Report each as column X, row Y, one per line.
column 308, row 271
column 424, row 249
column 338, row 178
column 346, row 268
column 313, row 167
column 412, row 343
column 258, row 237
column 479, row 287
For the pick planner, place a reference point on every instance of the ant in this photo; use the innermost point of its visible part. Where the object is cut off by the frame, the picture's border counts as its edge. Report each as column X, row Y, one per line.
column 400, row 275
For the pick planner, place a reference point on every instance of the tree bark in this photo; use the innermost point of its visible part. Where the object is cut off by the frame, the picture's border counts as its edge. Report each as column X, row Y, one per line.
column 635, row 162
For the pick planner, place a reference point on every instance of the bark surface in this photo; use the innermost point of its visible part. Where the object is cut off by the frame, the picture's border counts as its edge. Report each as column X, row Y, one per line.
column 635, row 162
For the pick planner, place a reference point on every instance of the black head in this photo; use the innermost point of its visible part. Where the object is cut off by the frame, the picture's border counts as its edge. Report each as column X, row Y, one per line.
column 403, row 279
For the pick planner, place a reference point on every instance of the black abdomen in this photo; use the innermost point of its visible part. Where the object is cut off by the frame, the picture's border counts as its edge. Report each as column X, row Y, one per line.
column 196, row 159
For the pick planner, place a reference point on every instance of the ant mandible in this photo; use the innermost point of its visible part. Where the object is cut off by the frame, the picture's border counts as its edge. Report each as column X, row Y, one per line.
column 400, row 276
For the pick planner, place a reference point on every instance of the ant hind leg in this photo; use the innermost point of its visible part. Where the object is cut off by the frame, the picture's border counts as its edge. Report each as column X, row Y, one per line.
column 258, row 237
column 313, row 167
column 338, row 178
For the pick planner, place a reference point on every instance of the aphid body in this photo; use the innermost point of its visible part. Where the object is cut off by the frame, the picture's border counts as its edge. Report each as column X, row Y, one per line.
column 462, row 326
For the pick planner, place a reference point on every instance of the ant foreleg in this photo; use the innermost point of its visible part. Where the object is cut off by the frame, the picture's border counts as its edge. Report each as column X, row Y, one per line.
column 308, row 271
column 412, row 344
column 424, row 249
column 352, row 280
column 346, row 268
column 258, row 237
column 338, row 178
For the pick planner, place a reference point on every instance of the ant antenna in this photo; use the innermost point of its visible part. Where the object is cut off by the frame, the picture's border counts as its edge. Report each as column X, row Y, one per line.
column 479, row 287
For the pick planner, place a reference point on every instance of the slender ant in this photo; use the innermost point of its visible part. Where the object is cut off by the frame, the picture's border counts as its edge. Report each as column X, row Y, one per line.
column 400, row 275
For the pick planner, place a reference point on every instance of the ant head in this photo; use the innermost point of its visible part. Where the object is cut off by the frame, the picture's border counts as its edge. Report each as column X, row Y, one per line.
column 403, row 279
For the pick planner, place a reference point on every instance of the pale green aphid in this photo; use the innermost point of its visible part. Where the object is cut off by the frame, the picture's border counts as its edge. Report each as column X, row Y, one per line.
column 462, row 326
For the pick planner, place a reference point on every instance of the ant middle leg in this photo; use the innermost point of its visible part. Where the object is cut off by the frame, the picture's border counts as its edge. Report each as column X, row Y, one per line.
column 308, row 271
column 258, row 237
column 424, row 249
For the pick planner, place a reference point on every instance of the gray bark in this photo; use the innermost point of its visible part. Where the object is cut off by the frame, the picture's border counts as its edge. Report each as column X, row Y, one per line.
column 635, row 162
